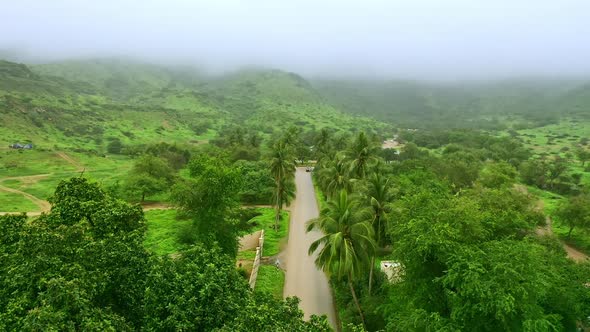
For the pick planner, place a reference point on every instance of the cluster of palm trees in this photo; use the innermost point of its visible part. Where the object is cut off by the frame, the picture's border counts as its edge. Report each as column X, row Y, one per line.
column 354, row 221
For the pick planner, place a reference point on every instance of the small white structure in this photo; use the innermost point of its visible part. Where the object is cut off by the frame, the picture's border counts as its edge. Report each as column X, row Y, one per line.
column 393, row 270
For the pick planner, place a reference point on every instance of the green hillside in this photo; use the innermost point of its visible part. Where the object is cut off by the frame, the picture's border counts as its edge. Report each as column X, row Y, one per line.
column 85, row 104
column 477, row 105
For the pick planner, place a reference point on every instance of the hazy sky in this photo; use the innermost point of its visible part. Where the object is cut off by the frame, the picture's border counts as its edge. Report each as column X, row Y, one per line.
column 408, row 38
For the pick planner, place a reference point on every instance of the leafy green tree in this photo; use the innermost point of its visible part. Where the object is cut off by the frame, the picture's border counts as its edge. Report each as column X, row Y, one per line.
column 534, row 172
column 211, row 197
column 574, row 212
column 115, row 146
column 347, row 244
column 84, row 264
column 258, row 183
column 149, row 175
column 144, row 185
column 200, row 290
column 468, row 265
column 496, row 175
column 177, row 157
column 460, row 168
column 557, row 167
column 264, row 313
column 583, row 155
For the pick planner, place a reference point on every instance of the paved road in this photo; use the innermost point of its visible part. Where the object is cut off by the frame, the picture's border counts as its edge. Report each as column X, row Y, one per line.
column 303, row 279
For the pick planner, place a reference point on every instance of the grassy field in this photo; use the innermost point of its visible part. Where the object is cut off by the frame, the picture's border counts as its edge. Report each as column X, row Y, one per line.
column 549, row 199
column 271, row 280
column 10, row 202
column 561, row 139
column 552, row 139
column 274, row 241
column 163, row 229
column 38, row 172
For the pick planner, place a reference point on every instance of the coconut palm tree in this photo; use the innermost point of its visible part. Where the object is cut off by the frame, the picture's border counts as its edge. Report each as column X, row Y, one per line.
column 283, row 194
column 282, row 162
column 282, row 168
column 333, row 177
column 347, row 242
column 379, row 196
column 362, row 155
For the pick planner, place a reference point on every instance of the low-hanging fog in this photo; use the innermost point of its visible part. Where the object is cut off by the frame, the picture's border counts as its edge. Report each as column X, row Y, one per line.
column 424, row 39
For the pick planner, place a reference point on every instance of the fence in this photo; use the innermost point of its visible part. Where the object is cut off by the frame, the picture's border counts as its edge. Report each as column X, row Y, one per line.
column 257, row 258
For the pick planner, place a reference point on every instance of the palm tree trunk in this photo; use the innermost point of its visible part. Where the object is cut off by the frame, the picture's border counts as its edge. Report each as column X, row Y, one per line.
column 373, row 258
column 277, row 217
column 278, row 207
column 356, row 301
column 371, row 274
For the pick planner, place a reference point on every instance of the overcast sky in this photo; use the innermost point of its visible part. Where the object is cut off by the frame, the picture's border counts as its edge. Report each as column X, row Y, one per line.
column 395, row 38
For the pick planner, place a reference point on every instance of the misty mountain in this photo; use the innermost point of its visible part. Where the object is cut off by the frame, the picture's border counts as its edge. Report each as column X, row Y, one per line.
column 90, row 101
column 480, row 105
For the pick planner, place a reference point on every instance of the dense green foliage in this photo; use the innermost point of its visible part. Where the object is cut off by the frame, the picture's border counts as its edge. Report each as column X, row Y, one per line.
column 83, row 267
column 463, row 234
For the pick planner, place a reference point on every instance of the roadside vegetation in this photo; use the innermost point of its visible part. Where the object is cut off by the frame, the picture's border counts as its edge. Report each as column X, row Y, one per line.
column 450, row 210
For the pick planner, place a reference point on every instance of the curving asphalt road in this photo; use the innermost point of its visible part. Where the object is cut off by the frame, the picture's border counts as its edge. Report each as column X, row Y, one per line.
column 303, row 279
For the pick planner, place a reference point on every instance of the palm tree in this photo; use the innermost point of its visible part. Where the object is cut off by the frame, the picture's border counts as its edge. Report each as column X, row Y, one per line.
column 282, row 168
column 283, row 193
column 379, row 197
column 347, row 244
column 322, row 142
column 282, row 163
column 333, row 177
column 362, row 155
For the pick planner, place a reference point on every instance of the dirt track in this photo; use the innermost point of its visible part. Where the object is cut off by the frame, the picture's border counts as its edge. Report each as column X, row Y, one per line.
column 572, row 253
column 43, row 205
column 71, row 161
column 303, row 279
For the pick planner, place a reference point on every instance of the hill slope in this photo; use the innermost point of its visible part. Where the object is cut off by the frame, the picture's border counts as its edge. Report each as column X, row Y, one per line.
column 86, row 104
column 480, row 105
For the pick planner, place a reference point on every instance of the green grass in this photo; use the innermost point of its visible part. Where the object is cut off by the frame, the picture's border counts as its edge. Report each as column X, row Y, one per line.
column 162, row 231
column 579, row 239
column 270, row 280
column 273, row 240
column 11, row 202
column 319, row 195
column 549, row 199
column 248, row 255
column 36, row 162
column 545, row 140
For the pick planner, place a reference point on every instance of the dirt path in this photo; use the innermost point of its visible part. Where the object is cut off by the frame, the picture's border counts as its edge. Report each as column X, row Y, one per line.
column 43, row 205
column 303, row 279
column 156, row 206
column 71, row 161
column 572, row 252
